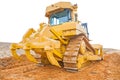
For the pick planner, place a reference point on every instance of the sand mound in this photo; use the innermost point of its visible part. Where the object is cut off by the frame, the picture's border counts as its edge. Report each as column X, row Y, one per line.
column 108, row 69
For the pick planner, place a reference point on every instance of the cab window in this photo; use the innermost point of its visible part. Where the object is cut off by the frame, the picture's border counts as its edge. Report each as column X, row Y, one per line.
column 60, row 17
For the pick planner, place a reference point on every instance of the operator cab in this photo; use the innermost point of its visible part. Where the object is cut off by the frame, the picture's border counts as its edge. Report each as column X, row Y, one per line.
column 63, row 12
column 60, row 17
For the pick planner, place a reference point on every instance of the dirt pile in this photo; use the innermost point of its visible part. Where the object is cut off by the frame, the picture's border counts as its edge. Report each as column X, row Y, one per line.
column 5, row 50
column 108, row 69
column 12, row 69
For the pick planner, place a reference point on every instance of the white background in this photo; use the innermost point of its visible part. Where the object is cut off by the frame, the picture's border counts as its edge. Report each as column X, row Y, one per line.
column 102, row 16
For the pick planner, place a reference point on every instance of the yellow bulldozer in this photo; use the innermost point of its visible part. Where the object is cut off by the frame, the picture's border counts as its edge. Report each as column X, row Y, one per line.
column 63, row 42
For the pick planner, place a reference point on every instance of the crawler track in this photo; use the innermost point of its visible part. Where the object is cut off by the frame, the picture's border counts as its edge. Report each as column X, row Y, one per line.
column 72, row 52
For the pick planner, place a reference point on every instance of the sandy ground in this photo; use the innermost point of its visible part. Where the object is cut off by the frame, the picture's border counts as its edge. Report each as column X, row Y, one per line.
column 12, row 69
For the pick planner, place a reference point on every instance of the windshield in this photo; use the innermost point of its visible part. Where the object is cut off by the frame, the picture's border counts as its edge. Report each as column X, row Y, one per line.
column 60, row 17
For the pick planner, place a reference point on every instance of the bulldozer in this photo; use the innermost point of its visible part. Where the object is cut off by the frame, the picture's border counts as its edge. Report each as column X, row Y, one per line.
column 63, row 42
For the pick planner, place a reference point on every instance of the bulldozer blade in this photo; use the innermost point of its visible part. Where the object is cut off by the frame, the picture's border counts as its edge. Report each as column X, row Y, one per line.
column 13, row 51
column 52, row 59
column 30, row 57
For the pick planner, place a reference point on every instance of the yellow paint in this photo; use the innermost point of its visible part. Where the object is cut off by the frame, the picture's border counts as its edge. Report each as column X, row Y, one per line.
column 58, row 36
column 13, row 51
column 51, row 41
column 52, row 59
column 57, row 53
column 30, row 57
